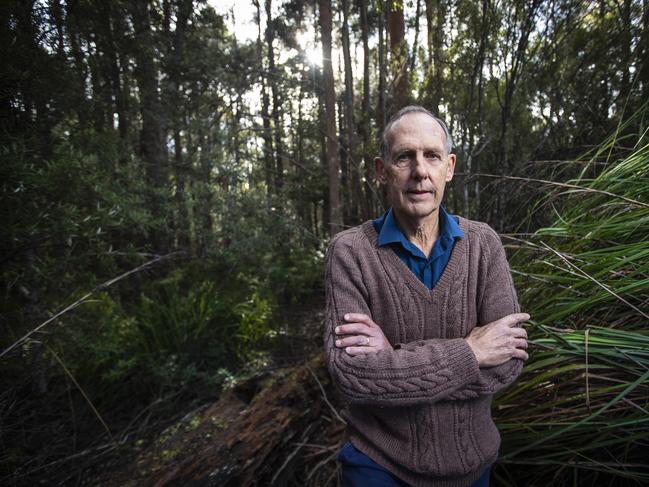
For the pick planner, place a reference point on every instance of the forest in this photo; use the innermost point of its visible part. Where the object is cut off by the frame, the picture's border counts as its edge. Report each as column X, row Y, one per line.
column 172, row 172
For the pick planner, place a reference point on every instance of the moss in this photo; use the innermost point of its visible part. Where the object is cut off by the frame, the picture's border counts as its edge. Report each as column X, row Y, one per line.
column 219, row 422
column 193, row 423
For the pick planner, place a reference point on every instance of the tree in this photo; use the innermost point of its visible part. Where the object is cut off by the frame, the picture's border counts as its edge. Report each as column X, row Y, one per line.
column 334, row 218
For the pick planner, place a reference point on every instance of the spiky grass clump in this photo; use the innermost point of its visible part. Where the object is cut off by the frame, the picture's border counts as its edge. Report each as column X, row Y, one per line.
column 579, row 414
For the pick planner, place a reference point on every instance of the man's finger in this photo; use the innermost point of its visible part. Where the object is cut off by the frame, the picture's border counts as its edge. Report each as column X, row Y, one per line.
column 521, row 354
column 514, row 319
column 355, row 340
column 358, row 318
column 519, row 333
column 359, row 350
column 353, row 329
column 520, row 343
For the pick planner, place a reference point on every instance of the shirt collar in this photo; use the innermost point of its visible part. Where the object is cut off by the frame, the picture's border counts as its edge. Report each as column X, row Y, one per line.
column 391, row 233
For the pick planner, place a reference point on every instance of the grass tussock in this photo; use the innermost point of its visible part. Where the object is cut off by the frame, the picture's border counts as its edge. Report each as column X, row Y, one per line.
column 579, row 415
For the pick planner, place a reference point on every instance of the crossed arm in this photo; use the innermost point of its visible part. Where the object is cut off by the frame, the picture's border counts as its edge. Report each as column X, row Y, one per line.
column 368, row 370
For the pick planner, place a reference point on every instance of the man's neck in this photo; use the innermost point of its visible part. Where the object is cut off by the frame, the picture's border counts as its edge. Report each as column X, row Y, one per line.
column 423, row 233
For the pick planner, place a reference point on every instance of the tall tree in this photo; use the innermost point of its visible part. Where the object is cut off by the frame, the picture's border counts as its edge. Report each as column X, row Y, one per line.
column 266, row 133
column 273, row 80
column 152, row 148
column 332, row 155
column 643, row 51
column 350, row 127
column 398, row 56
column 382, row 69
column 365, row 118
column 436, row 53
column 176, row 68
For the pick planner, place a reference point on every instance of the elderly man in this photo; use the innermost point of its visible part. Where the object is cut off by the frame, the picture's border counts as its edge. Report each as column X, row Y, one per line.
column 423, row 324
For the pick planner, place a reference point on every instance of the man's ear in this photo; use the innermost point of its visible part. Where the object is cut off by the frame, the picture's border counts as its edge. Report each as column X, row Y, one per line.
column 380, row 170
column 450, row 168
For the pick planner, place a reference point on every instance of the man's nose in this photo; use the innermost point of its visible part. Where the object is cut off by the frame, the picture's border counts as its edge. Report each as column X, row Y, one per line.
column 419, row 168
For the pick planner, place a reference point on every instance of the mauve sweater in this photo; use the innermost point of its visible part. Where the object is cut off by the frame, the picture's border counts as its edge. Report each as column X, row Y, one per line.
column 422, row 410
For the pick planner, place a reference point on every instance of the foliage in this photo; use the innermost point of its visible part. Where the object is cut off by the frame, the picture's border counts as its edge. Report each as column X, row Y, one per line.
column 175, row 335
column 579, row 412
column 133, row 130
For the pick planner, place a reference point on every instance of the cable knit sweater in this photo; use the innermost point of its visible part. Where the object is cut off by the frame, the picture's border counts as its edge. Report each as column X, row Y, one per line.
column 422, row 410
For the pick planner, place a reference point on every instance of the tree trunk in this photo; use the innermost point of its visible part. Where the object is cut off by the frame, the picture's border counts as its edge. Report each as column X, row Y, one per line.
column 470, row 119
column 152, row 148
column 350, row 139
column 176, row 57
column 332, row 156
column 382, row 64
column 415, row 45
column 625, row 62
column 398, row 56
column 266, row 133
column 436, row 19
column 80, row 68
column 365, row 120
column 643, row 51
column 109, row 19
column 276, row 113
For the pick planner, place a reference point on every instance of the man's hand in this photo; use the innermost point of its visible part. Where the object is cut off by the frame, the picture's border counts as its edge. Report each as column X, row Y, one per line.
column 497, row 342
column 360, row 335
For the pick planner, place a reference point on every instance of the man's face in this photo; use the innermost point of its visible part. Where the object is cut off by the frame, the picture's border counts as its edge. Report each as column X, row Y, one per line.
column 418, row 167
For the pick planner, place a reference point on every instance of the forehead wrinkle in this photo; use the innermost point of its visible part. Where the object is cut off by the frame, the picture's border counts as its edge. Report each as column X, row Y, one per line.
column 419, row 130
column 417, row 144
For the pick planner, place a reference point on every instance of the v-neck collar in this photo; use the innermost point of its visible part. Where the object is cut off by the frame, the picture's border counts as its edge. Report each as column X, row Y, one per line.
column 391, row 233
column 387, row 255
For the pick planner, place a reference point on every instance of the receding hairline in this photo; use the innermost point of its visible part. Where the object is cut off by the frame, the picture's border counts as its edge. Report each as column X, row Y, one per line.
column 413, row 110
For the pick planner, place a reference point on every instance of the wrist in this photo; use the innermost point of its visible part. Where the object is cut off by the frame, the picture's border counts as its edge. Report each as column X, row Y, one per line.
column 475, row 349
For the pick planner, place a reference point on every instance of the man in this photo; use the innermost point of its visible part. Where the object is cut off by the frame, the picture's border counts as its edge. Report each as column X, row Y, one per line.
column 423, row 324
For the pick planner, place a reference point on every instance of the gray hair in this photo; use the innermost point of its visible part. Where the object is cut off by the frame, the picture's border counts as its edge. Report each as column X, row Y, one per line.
column 385, row 146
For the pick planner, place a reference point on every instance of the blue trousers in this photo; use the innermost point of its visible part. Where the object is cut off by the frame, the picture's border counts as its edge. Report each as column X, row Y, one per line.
column 359, row 470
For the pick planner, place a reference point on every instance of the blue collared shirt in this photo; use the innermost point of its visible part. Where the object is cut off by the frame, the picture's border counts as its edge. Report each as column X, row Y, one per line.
column 427, row 269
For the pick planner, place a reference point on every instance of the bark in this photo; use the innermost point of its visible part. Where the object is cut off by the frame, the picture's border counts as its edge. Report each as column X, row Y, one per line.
column 643, row 51
column 514, row 72
column 332, row 155
column 109, row 19
column 152, row 148
column 100, row 98
column 365, row 118
column 473, row 116
column 398, row 56
column 266, row 133
column 303, row 200
column 625, row 64
column 344, row 157
column 280, row 154
column 205, row 194
column 380, row 108
column 436, row 19
column 415, row 46
column 80, row 68
column 177, row 55
column 350, row 139
column 322, row 126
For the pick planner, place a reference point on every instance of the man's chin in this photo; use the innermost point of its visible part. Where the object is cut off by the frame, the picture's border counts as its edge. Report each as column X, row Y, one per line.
column 418, row 211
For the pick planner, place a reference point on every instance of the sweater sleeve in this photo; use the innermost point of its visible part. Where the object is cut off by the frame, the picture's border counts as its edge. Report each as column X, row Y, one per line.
column 496, row 299
column 418, row 372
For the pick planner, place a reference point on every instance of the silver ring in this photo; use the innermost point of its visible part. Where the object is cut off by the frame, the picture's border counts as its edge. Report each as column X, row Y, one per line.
column 368, row 341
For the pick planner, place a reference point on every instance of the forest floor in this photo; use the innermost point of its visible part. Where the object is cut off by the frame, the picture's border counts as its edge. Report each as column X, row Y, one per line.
column 278, row 426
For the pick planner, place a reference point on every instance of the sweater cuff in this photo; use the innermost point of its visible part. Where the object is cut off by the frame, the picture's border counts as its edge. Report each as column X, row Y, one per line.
column 462, row 361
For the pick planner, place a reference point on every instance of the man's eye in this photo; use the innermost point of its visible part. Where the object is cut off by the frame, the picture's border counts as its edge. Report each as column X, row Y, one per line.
column 404, row 157
column 433, row 156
